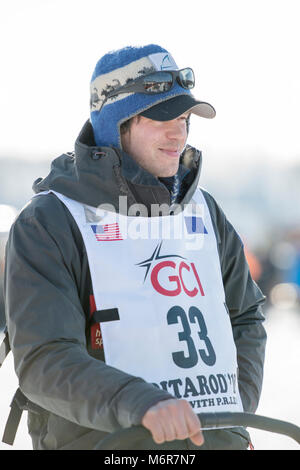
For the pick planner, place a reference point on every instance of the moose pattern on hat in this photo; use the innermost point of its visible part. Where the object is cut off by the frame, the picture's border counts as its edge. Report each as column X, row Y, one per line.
column 104, row 84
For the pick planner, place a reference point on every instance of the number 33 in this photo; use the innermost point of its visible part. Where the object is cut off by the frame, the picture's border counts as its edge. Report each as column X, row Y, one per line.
column 208, row 356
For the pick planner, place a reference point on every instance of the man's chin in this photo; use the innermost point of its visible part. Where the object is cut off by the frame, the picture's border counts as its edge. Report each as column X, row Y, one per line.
column 167, row 172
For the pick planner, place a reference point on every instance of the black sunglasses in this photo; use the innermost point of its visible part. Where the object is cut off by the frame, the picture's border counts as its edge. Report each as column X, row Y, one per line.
column 156, row 82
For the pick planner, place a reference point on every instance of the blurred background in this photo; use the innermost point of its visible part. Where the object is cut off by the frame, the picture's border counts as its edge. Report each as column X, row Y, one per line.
column 245, row 55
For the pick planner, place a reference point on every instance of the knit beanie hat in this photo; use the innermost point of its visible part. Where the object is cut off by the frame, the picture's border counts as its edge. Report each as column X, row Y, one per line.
column 119, row 67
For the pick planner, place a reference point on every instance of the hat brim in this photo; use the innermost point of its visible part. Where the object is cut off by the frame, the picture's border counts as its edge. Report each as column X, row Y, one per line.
column 174, row 107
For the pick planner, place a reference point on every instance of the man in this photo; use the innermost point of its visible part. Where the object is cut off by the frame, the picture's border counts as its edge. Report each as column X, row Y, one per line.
column 115, row 320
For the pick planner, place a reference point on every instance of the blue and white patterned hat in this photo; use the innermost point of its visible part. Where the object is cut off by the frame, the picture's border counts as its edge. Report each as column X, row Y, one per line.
column 115, row 69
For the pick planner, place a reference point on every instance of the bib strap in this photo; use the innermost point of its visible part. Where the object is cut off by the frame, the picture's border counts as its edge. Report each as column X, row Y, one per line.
column 100, row 316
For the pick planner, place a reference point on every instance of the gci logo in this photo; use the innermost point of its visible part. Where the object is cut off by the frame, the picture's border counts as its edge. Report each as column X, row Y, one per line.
column 171, row 278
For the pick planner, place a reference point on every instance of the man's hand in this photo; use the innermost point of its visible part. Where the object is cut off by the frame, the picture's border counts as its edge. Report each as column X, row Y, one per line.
column 173, row 419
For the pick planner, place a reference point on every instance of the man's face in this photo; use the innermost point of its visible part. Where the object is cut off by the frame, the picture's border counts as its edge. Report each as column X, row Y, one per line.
column 156, row 145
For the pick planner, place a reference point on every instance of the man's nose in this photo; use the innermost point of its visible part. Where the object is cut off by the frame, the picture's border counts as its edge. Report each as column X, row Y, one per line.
column 176, row 129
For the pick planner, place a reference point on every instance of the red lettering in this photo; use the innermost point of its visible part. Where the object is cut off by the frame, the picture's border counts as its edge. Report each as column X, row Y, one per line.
column 157, row 285
column 197, row 278
column 178, row 280
column 96, row 337
column 190, row 293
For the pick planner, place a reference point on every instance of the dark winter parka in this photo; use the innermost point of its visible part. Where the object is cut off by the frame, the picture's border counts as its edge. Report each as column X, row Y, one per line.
column 48, row 295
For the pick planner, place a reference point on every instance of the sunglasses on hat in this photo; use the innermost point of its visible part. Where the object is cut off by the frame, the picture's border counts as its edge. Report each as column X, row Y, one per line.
column 156, row 82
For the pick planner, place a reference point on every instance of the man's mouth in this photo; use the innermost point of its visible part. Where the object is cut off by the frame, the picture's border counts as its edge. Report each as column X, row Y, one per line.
column 171, row 152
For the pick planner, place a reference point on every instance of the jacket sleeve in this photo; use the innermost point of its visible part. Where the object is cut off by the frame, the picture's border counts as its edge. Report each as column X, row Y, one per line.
column 244, row 301
column 46, row 326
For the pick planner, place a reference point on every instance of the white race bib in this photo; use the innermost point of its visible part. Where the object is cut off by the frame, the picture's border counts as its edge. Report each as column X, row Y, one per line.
column 170, row 324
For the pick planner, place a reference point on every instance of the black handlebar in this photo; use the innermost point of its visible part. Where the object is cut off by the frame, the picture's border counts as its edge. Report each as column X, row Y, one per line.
column 124, row 437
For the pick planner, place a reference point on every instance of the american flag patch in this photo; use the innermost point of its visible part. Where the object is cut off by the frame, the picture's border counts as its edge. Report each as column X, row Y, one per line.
column 107, row 232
